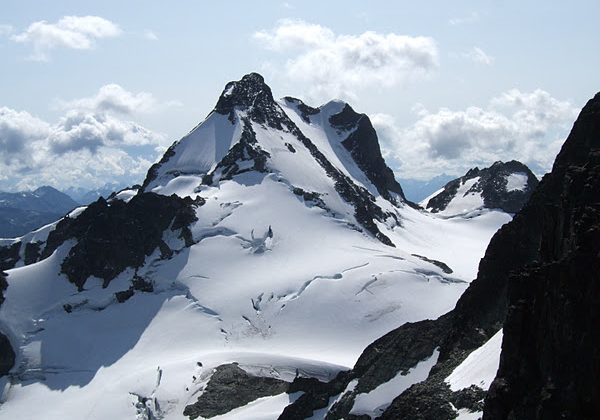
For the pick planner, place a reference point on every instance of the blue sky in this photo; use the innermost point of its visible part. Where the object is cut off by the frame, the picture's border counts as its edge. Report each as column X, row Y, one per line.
column 91, row 92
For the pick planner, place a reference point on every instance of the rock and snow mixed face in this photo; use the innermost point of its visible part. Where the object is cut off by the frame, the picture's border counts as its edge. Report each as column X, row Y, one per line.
column 288, row 246
column 505, row 186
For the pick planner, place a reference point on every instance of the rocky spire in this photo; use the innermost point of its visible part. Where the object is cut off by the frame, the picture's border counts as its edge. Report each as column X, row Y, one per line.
column 253, row 95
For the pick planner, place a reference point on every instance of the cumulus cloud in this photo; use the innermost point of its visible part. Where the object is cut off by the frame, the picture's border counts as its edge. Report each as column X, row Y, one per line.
column 113, row 97
column 527, row 126
column 18, row 130
column 74, row 32
column 86, row 131
column 477, row 55
column 88, row 146
column 339, row 65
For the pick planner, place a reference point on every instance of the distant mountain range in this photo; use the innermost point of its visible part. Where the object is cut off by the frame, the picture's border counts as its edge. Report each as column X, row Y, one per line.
column 86, row 196
column 21, row 212
column 24, row 211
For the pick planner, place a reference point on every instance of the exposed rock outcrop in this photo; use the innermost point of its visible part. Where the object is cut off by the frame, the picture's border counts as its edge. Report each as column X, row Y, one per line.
column 116, row 235
column 231, row 387
column 363, row 145
column 494, row 186
column 7, row 354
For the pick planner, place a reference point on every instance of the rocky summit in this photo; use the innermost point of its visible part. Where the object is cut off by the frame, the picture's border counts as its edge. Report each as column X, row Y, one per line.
column 504, row 185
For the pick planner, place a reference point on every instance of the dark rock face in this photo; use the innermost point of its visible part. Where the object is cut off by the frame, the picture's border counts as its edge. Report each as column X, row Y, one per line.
column 137, row 283
column 116, row 235
column 251, row 93
column 316, row 395
column 437, row 263
column 493, row 187
column 3, row 286
column 363, row 145
column 550, row 358
column 231, row 387
column 9, row 256
column 7, row 354
column 32, row 252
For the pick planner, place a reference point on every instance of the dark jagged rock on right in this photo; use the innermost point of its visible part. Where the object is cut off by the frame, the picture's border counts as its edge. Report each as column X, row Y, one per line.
column 550, row 361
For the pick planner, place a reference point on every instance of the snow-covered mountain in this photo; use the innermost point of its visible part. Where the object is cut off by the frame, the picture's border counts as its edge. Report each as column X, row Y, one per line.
column 24, row 211
column 270, row 243
column 505, row 186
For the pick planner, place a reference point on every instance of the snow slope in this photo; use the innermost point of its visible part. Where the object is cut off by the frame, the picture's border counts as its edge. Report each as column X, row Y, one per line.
column 479, row 368
column 277, row 280
column 464, row 201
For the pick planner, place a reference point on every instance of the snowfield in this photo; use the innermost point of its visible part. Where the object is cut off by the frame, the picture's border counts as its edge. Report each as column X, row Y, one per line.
column 273, row 282
column 479, row 368
column 516, row 182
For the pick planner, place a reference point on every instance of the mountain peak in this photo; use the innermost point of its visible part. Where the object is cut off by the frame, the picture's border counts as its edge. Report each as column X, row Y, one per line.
column 46, row 189
column 250, row 94
column 503, row 185
column 330, row 151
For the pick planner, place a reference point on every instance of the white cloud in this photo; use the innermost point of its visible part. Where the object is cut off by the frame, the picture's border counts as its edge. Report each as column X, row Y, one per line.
column 113, row 97
column 526, row 126
column 84, row 148
column 75, row 32
column 340, row 65
column 472, row 17
column 295, row 34
column 18, row 130
column 477, row 55
column 82, row 130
